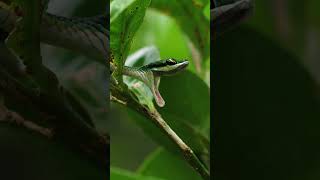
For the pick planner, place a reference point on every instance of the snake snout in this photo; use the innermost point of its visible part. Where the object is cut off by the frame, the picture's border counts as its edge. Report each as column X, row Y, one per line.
column 183, row 64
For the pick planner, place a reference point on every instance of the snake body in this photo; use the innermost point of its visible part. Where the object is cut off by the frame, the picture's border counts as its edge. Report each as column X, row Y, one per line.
column 87, row 36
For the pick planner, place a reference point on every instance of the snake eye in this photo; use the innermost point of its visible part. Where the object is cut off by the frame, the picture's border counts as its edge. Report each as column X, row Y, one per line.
column 171, row 62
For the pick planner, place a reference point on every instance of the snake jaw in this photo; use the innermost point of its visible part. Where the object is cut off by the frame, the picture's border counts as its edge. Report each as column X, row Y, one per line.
column 152, row 81
column 155, row 91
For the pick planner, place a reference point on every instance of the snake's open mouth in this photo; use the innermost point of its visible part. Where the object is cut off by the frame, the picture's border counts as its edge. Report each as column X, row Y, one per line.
column 156, row 80
column 156, row 93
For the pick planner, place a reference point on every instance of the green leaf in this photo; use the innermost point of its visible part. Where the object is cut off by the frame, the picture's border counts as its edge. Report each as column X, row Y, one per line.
column 165, row 165
column 121, row 174
column 187, row 112
column 206, row 11
column 126, row 17
column 186, row 91
column 189, row 15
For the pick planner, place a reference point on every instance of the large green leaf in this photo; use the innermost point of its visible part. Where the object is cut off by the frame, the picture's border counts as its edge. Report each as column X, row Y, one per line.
column 126, row 17
column 160, row 161
column 187, row 112
column 121, row 174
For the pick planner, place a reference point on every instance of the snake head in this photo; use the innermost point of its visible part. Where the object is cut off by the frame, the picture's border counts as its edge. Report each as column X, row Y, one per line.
column 166, row 67
column 155, row 70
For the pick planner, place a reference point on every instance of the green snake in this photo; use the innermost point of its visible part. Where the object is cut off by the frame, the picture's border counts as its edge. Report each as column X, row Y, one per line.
column 90, row 37
column 151, row 73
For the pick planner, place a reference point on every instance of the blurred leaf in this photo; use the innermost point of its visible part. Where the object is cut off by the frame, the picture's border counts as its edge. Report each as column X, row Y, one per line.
column 163, row 32
column 126, row 17
column 165, row 165
column 266, row 113
column 206, row 11
column 263, row 19
column 143, row 56
column 34, row 157
column 187, row 109
column 313, row 13
column 284, row 21
column 121, row 174
column 189, row 15
column 186, row 92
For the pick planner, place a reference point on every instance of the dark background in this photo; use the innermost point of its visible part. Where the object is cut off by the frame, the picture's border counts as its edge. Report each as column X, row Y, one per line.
column 25, row 155
column 266, row 112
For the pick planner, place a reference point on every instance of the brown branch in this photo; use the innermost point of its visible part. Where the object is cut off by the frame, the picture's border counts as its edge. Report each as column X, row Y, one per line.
column 127, row 99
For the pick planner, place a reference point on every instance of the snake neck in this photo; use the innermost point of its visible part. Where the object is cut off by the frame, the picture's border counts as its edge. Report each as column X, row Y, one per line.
column 147, row 77
column 139, row 74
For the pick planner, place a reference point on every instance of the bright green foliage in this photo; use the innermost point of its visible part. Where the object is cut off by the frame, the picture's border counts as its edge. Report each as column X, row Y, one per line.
column 125, row 19
column 189, row 15
column 160, row 161
column 121, row 174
